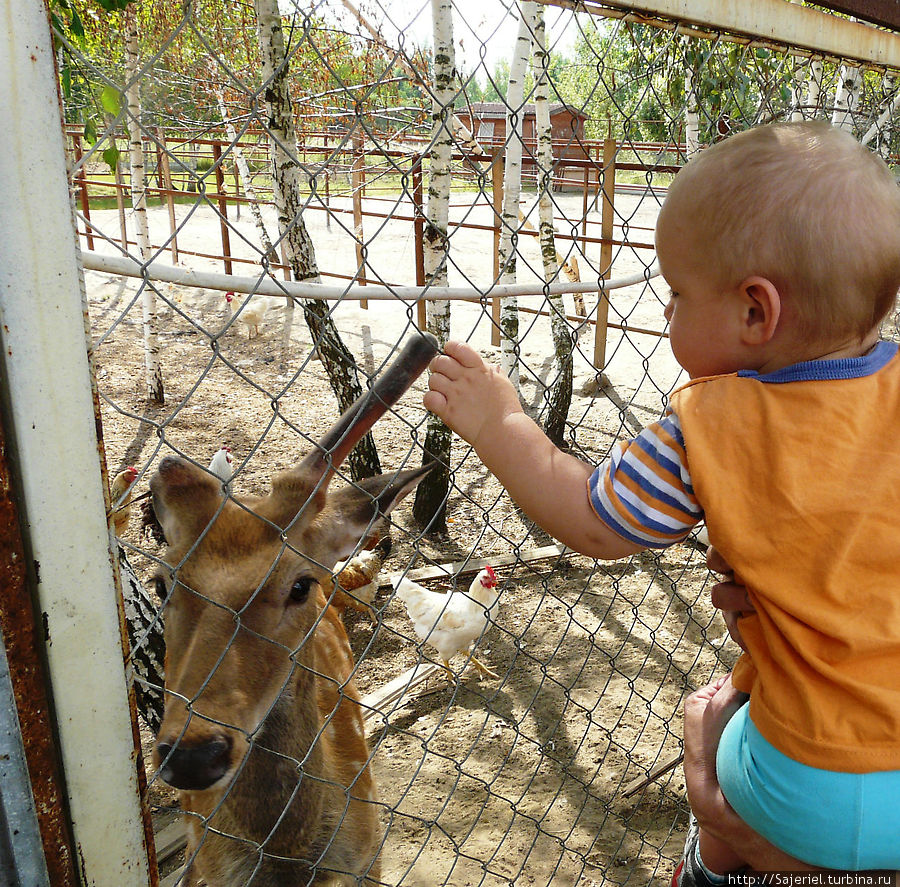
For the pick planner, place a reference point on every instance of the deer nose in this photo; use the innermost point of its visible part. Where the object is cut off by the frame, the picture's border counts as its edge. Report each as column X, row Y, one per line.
column 194, row 768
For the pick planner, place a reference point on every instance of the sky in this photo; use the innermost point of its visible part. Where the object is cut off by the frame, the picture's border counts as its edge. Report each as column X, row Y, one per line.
column 492, row 24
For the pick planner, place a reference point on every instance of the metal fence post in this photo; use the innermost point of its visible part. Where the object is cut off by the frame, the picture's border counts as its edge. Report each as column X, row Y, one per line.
column 51, row 422
column 21, row 854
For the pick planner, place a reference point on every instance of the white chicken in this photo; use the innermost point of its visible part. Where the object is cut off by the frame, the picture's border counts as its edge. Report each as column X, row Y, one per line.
column 251, row 313
column 222, row 466
column 451, row 622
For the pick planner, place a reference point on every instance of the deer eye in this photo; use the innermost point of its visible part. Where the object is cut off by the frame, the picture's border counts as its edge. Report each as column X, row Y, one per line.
column 300, row 590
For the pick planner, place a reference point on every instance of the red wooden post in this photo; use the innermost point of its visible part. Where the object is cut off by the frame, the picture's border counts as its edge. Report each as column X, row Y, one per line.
column 606, row 248
column 166, row 175
column 497, row 166
column 356, row 186
column 221, row 199
column 82, row 190
column 120, row 204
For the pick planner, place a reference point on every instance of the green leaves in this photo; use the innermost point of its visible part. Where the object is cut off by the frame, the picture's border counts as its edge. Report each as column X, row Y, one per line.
column 111, row 156
column 109, row 100
column 114, row 5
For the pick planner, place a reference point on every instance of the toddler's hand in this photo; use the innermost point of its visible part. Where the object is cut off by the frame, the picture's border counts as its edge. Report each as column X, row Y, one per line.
column 467, row 394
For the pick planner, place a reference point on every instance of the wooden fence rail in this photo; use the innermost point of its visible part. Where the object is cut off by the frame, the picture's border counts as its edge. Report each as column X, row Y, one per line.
column 178, row 172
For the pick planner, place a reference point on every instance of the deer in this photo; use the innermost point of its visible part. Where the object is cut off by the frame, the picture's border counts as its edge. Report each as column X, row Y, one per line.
column 263, row 733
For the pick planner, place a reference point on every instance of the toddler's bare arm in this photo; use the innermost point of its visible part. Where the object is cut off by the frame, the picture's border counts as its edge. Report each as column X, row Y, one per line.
column 480, row 404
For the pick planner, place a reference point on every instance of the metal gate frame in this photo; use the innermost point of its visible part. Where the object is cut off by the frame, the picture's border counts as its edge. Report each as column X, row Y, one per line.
column 49, row 411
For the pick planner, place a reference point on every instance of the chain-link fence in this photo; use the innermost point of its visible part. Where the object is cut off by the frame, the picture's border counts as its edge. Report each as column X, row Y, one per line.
column 227, row 165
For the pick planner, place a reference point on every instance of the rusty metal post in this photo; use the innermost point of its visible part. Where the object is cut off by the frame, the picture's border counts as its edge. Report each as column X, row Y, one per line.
column 27, row 682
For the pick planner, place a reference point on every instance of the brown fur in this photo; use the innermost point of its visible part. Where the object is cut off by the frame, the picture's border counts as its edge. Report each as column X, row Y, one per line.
column 246, row 663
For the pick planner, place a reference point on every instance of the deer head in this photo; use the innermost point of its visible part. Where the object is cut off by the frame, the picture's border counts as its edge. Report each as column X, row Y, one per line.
column 244, row 590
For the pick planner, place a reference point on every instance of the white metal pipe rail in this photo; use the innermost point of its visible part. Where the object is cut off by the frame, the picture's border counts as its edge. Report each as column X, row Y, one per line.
column 265, row 285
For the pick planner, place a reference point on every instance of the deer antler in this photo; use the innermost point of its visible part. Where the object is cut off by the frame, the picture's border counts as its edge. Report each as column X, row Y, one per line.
column 369, row 407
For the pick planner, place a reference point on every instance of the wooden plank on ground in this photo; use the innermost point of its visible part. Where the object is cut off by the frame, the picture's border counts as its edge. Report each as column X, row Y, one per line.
column 473, row 565
column 170, row 840
column 375, row 702
column 172, row 879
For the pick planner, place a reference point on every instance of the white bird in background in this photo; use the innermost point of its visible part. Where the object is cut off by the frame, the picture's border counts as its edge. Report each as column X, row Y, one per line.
column 222, row 466
column 451, row 622
column 251, row 313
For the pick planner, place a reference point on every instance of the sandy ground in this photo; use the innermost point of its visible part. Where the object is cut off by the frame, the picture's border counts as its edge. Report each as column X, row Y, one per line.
column 510, row 780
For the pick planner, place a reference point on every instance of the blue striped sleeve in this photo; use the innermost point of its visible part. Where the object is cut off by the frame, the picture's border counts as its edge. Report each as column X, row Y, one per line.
column 643, row 491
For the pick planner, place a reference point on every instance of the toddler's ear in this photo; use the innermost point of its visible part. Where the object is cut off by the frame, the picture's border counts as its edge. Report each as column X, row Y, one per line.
column 761, row 306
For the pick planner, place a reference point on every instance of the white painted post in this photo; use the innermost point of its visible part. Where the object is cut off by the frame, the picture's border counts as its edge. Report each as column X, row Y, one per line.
column 49, row 415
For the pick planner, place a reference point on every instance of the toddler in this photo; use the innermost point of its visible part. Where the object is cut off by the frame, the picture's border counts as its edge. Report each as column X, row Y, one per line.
column 781, row 246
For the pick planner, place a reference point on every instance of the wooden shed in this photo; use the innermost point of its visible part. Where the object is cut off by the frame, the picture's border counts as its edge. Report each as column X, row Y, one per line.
column 566, row 126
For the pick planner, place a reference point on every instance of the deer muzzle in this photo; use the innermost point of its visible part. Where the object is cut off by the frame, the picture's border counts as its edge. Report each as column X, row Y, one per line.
column 194, row 768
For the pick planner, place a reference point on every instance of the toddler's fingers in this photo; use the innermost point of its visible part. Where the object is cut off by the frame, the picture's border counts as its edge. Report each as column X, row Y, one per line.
column 435, row 402
column 730, row 596
column 446, row 365
column 464, row 353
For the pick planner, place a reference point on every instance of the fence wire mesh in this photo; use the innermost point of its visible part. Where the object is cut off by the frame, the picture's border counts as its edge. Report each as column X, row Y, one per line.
column 518, row 778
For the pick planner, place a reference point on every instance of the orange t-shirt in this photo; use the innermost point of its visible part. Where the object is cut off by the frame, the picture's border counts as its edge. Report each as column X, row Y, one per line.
column 798, row 475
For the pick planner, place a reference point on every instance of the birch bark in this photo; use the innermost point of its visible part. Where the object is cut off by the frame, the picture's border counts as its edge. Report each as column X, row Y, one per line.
column 152, row 368
column 691, row 108
column 878, row 128
column 430, row 505
column 559, row 396
column 846, row 97
column 287, row 176
column 243, row 168
column 512, row 187
column 814, row 87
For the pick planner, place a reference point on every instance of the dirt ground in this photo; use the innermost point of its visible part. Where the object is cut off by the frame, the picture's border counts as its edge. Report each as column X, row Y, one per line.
column 517, row 779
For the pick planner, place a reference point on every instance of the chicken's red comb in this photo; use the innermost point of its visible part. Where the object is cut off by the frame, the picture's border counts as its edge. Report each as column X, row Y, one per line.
column 492, row 576
column 131, row 471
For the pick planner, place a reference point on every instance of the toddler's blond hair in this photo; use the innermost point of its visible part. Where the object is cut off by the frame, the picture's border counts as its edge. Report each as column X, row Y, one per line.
column 804, row 205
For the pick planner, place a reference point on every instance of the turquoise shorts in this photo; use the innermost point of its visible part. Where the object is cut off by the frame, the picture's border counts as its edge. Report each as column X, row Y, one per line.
column 847, row 821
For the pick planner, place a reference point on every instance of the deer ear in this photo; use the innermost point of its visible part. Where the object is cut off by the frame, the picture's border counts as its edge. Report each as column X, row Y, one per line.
column 184, row 500
column 357, row 512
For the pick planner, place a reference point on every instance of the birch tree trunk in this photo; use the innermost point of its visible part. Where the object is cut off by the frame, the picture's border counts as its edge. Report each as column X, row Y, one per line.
column 889, row 107
column 797, row 82
column 152, row 370
column 691, row 108
column 430, row 505
column 814, row 87
column 846, row 97
column 559, row 396
column 287, row 176
column 512, row 187
column 461, row 133
column 240, row 161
